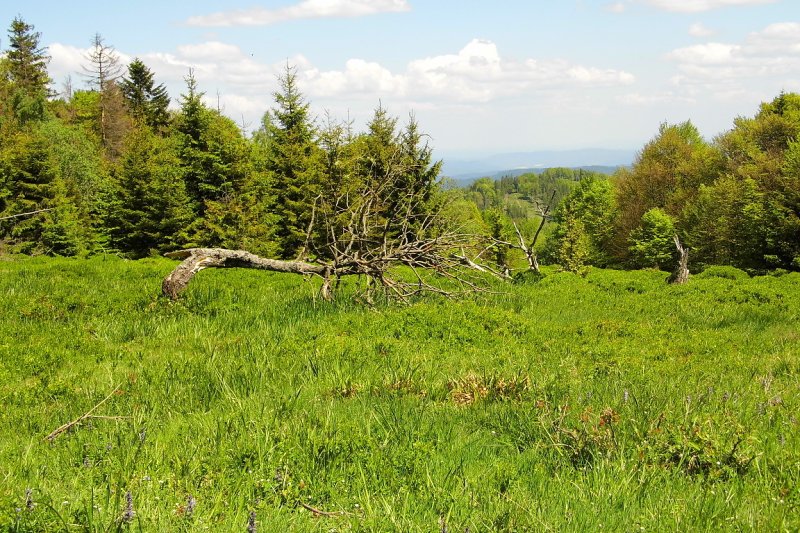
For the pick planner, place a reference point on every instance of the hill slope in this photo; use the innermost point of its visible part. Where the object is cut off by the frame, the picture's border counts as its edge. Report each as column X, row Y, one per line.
column 613, row 402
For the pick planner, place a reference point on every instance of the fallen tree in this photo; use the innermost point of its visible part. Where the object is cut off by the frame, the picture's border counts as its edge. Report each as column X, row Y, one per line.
column 390, row 229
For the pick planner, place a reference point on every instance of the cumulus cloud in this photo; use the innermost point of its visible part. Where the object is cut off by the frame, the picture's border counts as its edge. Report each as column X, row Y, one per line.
column 697, row 6
column 773, row 52
column 307, row 9
column 72, row 61
column 700, row 30
column 477, row 73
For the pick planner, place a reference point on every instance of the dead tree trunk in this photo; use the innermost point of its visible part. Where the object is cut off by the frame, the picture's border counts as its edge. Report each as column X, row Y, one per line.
column 530, row 249
column 681, row 273
column 196, row 259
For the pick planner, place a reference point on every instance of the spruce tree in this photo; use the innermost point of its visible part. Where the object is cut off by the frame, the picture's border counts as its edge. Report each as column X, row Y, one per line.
column 26, row 66
column 27, row 59
column 213, row 155
column 419, row 173
column 146, row 101
column 103, row 72
column 293, row 160
column 150, row 210
column 29, row 182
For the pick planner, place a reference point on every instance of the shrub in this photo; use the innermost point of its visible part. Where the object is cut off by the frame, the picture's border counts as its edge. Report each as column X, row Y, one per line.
column 724, row 272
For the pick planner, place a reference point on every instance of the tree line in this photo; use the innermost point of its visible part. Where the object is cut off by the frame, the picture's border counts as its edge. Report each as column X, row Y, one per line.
column 732, row 201
column 112, row 168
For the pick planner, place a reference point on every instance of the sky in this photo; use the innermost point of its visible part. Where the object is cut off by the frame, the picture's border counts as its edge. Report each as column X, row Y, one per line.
column 480, row 77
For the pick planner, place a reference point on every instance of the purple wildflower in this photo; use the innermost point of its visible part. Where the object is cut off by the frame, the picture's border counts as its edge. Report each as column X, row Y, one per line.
column 128, row 513
column 251, row 522
column 191, row 503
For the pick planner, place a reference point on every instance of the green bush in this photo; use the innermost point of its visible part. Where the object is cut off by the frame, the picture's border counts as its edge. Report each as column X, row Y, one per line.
column 724, row 272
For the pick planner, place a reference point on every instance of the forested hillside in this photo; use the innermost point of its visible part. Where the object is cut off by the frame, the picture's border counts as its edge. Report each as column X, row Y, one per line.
column 113, row 167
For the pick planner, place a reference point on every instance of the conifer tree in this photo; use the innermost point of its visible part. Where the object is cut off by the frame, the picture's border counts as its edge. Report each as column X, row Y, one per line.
column 420, row 172
column 213, row 154
column 150, row 211
column 103, row 73
column 146, row 101
column 28, row 178
column 27, row 59
column 26, row 64
column 293, row 160
column 381, row 150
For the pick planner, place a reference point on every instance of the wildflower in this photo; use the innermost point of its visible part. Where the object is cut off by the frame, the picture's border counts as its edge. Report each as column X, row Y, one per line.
column 251, row 522
column 625, row 396
column 142, row 435
column 129, row 513
column 190, row 505
column 29, row 505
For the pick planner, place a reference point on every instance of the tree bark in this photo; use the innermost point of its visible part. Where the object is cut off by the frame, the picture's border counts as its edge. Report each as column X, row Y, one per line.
column 681, row 273
column 196, row 259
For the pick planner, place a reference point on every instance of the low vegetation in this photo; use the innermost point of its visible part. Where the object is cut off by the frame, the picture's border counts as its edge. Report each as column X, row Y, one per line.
column 608, row 402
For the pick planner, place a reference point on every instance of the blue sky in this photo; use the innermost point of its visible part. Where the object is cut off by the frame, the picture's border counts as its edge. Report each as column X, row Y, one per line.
column 482, row 77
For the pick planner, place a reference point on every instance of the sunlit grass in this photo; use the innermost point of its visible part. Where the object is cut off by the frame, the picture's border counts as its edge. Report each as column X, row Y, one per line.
column 611, row 402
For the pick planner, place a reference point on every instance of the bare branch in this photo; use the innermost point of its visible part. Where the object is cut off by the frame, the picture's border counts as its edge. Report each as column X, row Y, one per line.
column 88, row 414
column 27, row 214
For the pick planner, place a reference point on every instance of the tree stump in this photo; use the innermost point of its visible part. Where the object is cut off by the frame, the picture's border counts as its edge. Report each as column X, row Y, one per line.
column 681, row 273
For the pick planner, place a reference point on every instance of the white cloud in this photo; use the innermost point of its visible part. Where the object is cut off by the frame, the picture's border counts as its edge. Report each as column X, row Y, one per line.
column 242, row 86
column 706, row 54
column 306, row 9
column 697, row 6
column 769, row 56
column 66, row 60
column 698, row 29
column 616, row 7
column 477, row 73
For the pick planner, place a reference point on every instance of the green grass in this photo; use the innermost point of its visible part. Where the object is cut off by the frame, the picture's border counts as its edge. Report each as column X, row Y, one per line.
column 612, row 402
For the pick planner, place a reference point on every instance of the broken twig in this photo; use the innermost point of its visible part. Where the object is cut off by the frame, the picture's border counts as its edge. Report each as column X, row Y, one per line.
column 319, row 512
column 88, row 414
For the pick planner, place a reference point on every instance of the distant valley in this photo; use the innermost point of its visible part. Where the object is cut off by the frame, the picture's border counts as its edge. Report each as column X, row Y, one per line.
column 515, row 164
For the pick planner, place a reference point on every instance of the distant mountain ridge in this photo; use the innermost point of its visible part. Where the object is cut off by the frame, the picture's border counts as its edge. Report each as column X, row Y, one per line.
column 466, row 179
column 514, row 164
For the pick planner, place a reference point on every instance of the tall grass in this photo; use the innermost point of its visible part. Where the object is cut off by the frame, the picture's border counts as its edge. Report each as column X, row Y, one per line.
column 611, row 402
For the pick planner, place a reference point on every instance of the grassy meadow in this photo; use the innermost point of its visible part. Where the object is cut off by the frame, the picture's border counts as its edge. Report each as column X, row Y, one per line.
column 613, row 402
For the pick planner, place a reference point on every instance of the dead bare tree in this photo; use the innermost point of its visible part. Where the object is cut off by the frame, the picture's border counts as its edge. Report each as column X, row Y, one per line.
column 681, row 273
column 529, row 249
column 392, row 235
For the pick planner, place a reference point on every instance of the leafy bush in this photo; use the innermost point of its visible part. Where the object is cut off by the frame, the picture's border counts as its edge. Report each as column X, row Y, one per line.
column 724, row 272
